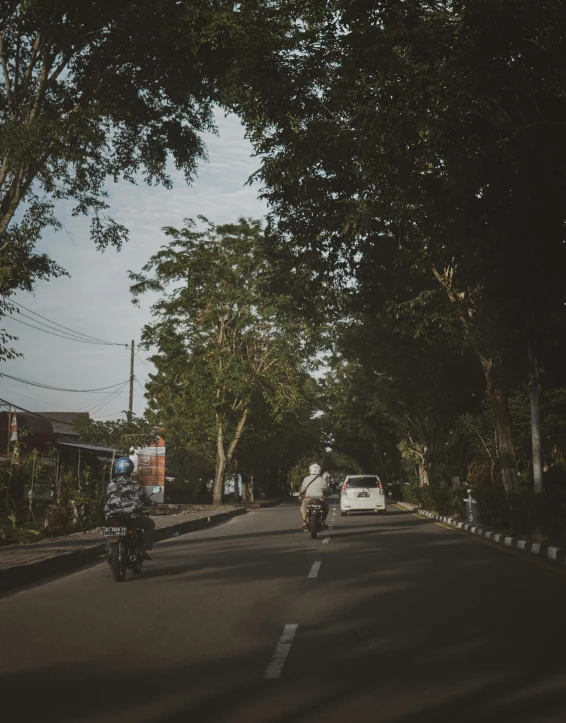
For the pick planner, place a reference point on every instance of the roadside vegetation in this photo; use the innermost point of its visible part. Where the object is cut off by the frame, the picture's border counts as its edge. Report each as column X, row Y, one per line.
column 403, row 303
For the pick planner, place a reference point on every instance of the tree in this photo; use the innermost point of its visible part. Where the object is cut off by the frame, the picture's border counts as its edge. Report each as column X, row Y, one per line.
column 99, row 92
column 225, row 346
column 122, row 435
column 392, row 401
column 416, row 148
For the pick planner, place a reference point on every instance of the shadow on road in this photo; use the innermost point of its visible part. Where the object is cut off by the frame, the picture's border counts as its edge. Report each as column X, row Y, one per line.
column 437, row 629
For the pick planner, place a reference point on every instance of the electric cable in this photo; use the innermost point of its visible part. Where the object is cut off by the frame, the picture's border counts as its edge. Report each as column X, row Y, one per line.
column 142, row 361
column 67, row 328
column 58, row 332
column 107, row 401
column 33, row 399
column 60, row 389
column 36, row 414
column 61, row 336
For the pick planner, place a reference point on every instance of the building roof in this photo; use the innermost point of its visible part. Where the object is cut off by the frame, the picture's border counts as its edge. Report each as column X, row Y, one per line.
column 64, row 422
column 90, row 447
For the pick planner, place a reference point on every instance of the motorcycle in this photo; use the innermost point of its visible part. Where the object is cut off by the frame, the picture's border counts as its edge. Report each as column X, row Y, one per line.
column 314, row 516
column 124, row 544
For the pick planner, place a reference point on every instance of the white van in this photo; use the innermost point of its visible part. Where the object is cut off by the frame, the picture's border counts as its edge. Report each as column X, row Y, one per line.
column 362, row 492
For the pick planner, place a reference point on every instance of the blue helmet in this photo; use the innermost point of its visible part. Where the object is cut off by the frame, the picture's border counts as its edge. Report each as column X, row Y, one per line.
column 123, row 466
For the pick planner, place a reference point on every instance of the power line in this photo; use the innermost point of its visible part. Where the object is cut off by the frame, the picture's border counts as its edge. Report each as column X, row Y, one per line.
column 67, row 328
column 107, row 401
column 58, row 332
column 91, row 405
column 61, row 336
column 35, row 414
column 142, row 361
column 33, row 399
column 59, row 389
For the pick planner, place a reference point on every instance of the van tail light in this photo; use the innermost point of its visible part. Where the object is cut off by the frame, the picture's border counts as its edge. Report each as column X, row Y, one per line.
column 380, row 487
column 345, row 487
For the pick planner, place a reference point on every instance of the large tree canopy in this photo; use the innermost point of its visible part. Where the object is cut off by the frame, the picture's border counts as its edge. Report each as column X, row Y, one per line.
column 228, row 351
column 97, row 92
column 416, row 149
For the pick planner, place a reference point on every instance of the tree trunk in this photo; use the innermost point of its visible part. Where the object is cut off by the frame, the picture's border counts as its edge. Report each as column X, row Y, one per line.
column 497, row 394
column 223, row 458
column 218, row 491
column 245, row 489
column 535, row 421
column 236, row 478
column 423, row 475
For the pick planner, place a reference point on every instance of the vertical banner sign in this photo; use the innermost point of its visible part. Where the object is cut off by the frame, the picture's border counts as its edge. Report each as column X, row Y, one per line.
column 14, row 438
column 151, row 467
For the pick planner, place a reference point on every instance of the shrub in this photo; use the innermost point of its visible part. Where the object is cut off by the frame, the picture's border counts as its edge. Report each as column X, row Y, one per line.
column 493, row 507
column 520, row 513
column 447, row 501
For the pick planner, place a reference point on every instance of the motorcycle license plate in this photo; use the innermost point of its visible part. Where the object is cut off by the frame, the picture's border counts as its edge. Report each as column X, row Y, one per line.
column 363, row 494
column 116, row 531
column 315, row 507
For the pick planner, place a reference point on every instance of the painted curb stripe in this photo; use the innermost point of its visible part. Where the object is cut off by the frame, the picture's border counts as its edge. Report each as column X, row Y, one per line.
column 535, row 548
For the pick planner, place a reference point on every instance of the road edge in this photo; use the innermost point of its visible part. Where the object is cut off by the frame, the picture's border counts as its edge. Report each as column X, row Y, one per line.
column 66, row 562
column 554, row 554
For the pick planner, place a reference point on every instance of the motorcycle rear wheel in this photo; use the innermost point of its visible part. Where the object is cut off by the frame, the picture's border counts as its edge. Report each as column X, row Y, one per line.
column 313, row 522
column 118, row 567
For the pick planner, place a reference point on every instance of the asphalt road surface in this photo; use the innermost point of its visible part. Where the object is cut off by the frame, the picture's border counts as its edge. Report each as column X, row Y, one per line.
column 394, row 619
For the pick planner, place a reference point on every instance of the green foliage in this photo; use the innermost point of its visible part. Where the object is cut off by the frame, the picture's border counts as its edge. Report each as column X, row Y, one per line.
column 443, row 500
column 414, row 175
column 228, row 350
column 124, row 91
column 122, row 435
column 329, row 461
column 28, row 509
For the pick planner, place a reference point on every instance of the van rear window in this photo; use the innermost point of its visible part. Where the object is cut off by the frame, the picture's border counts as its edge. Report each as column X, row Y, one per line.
column 368, row 482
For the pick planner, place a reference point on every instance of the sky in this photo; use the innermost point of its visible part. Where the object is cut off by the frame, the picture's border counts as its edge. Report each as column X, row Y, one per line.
column 96, row 300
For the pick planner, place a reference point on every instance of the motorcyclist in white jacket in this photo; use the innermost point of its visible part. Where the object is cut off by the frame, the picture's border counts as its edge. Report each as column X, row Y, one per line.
column 313, row 486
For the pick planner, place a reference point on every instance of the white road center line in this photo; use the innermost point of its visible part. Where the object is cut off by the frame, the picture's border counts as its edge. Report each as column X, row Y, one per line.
column 275, row 667
column 315, row 568
column 326, row 541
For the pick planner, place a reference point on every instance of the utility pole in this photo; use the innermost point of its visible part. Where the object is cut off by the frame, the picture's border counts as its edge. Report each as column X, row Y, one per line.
column 535, row 420
column 131, row 404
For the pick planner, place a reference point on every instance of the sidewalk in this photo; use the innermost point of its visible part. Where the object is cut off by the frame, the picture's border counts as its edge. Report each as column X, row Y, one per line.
column 25, row 564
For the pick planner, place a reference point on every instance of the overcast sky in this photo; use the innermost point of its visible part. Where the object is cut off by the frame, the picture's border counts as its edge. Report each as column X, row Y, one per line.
column 96, row 299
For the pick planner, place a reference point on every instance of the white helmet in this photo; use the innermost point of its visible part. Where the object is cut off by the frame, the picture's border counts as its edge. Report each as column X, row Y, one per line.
column 314, row 469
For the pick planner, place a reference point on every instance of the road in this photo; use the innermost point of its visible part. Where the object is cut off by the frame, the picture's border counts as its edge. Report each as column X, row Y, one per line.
column 403, row 621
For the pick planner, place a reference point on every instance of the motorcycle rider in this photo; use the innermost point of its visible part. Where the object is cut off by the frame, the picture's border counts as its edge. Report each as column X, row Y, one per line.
column 314, row 485
column 125, row 496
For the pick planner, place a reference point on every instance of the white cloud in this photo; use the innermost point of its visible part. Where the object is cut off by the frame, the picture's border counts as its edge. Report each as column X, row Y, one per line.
column 96, row 299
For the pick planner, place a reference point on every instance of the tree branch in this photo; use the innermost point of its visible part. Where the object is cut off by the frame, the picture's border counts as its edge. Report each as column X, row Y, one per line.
column 7, row 83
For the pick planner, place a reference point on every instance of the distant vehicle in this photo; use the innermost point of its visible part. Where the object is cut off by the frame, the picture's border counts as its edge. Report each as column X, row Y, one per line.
column 362, row 493
column 336, row 481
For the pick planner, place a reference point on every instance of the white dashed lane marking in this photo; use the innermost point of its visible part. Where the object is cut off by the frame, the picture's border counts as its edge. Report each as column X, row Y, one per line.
column 275, row 667
column 326, row 541
column 315, row 568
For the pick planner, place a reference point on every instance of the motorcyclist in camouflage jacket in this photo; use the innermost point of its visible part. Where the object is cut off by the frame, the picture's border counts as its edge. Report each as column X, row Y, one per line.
column 125, row 496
